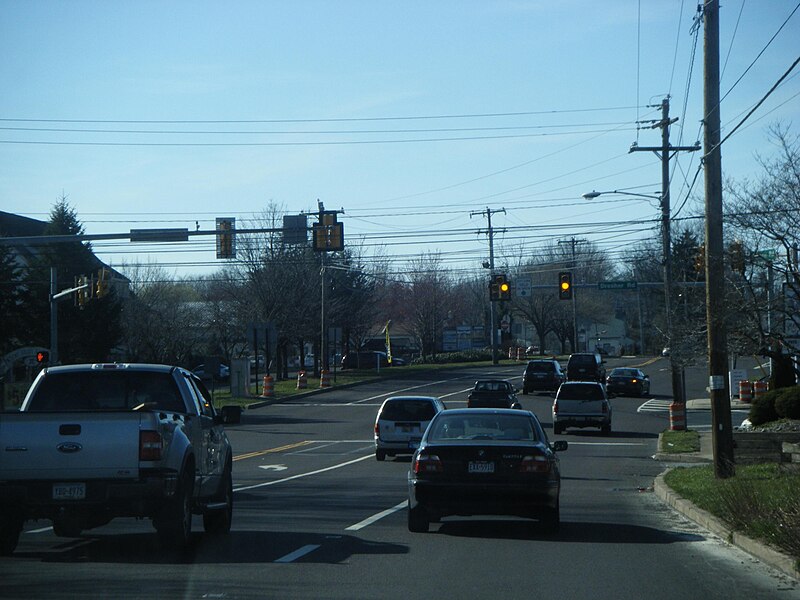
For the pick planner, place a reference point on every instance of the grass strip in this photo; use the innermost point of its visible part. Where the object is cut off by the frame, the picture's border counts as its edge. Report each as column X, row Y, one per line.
column 680, row 442
column 761, row 501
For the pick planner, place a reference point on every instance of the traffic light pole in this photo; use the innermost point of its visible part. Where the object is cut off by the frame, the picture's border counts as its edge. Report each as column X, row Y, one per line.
column 493, row 330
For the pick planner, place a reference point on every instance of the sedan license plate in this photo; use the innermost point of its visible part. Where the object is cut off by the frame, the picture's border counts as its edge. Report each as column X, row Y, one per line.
column 69, row 491
column 476, row 466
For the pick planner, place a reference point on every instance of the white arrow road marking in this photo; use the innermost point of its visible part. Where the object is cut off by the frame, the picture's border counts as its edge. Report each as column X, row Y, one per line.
column 273, row 467
column 317, row 472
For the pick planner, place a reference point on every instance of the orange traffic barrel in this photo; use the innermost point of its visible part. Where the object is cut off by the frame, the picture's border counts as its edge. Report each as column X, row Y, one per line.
column 324, row 379
column 677, row 416
column 269, row 387
column 760, row 388
column 745, row 391
column 302, row 380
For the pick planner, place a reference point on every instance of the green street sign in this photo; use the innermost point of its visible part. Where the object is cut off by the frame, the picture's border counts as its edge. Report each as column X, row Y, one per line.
column 617, row 285
column 768, row 254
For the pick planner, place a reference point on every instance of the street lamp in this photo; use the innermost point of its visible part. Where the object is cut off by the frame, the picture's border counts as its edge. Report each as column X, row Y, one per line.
column 677, row 378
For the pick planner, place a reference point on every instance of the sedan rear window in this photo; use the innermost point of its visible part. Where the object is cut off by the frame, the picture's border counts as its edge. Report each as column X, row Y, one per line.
column 408, row 410
column 541, row 367
column 484, row 427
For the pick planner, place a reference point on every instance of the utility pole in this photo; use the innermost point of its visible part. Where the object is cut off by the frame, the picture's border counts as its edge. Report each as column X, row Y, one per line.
column 665, row 152
column 722, row 431
column 489, row 212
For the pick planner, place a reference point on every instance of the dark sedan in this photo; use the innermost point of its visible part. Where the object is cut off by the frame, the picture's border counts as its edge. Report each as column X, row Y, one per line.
column 626, row 381
column 484, row 461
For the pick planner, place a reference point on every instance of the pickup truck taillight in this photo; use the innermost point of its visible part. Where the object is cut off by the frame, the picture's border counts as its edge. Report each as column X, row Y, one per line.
column 150, row 445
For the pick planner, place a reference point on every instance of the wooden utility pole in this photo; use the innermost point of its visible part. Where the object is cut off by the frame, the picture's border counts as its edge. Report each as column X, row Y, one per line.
column 722, row 432
column 492, row 317
column 664, row 152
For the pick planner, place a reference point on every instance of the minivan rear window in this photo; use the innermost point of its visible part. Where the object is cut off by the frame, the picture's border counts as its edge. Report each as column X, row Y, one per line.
column 408, row 410
column 541, row 367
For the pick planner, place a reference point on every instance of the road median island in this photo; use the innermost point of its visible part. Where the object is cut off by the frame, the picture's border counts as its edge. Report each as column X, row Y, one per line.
column 757, row 510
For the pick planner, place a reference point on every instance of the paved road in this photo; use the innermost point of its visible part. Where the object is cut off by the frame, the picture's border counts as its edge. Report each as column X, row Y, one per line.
column 317, row 517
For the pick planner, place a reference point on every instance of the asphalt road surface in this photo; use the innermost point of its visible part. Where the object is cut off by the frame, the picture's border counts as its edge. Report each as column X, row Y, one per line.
column 316, row 516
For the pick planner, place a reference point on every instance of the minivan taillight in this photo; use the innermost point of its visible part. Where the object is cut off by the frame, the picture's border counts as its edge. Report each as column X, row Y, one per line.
column 427, row 463
column 150, row 445
column 555, row 407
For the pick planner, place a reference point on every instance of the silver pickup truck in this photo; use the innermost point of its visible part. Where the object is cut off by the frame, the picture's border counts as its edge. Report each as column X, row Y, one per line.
column 99, row 441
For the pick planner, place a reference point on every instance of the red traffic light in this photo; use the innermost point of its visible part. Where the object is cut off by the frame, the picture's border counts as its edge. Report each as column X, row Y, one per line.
column 42, row 357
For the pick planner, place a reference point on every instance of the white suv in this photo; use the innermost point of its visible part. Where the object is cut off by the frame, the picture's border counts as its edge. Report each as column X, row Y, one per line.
column 400, row 423
column 581, row 404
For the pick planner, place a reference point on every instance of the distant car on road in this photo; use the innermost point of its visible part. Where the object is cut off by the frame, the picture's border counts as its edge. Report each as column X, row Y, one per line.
column 400, row 423
column 484, row 462
column 628, row 381
column 581, row 404
column 493, row 393
column 542, row 374
column 586, row 366
column 223, row 375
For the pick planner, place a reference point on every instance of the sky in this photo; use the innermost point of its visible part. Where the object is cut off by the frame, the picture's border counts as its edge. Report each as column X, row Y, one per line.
column 413, row 118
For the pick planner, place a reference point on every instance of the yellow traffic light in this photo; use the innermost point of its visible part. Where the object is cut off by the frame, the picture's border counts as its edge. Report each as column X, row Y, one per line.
column 565, row 285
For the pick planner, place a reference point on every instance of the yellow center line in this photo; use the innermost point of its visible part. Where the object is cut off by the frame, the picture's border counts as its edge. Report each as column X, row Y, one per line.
column 272, row 450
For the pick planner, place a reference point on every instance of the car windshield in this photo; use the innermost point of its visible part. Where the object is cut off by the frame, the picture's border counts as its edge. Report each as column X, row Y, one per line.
column 580, row 392
column 408, row 410
column 483, row 427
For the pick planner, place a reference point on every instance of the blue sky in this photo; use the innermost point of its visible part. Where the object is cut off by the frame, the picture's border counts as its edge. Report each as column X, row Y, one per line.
column 409, row 116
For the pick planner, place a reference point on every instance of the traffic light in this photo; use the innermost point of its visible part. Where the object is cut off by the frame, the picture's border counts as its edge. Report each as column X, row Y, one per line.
column 499, row 288
column 736, row 253
column 565, row 285
column 226, row 237
column 85, row 290
column 42, row 357
column 700, row 259
column 328, row 234
column 102, row 283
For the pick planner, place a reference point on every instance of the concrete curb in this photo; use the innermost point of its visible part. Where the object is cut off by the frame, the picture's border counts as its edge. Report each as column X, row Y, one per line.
column 778, row 560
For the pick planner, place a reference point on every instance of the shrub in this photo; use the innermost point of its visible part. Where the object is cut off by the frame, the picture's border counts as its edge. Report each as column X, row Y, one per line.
column 762, row 410
column 787, row 402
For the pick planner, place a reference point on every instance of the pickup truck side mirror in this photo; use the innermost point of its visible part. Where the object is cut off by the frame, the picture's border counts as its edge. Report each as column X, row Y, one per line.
column 230, row 414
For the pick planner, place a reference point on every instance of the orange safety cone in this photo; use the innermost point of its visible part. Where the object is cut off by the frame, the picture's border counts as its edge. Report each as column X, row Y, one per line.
column 745, row 391
column 759, row 389
column 677, row 416
column 324, row 379
column 269, row 387
column 302, row 380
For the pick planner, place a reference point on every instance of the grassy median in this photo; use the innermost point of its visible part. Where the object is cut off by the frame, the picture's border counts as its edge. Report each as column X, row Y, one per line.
column 680, row 442
column 761, row 501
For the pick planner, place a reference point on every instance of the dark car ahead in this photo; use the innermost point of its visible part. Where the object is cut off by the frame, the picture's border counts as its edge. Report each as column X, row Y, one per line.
column 628, row 381
column 483, row 461
column 586, row 366
column 542, row 374
column 493, row 393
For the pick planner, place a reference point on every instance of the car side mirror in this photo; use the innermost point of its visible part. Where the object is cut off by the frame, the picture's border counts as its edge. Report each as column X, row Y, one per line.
column 559, row 445
column 231, row 414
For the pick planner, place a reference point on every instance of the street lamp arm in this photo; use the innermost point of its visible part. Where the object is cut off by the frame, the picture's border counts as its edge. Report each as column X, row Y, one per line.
column 594, row 194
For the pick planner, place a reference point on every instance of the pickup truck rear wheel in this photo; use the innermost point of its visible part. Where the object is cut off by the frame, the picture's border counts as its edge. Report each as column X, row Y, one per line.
column 218, row 522
column 175, row 527
column 10, row 528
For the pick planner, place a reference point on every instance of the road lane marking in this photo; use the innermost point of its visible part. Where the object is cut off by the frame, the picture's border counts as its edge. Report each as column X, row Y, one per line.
column 300, row 475
column 299, row 553
column 377, row 517
column 271, row 450
column 400, row 391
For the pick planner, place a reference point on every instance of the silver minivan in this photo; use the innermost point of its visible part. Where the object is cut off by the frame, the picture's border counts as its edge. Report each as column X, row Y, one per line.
column 400, row 423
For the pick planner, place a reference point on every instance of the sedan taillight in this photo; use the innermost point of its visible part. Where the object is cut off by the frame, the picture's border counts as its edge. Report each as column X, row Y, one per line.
column 427, row 463
column 150, row 445
column 535, row 464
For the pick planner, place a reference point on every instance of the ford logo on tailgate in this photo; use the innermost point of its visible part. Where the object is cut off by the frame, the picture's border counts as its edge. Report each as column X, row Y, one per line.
column 69, row 447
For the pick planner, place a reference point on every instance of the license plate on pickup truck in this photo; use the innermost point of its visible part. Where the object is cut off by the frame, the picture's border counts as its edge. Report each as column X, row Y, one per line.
column 69, row 491
column 480, row 466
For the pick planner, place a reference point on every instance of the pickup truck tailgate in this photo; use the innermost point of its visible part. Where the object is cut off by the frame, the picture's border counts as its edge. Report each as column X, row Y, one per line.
column 75, row 445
